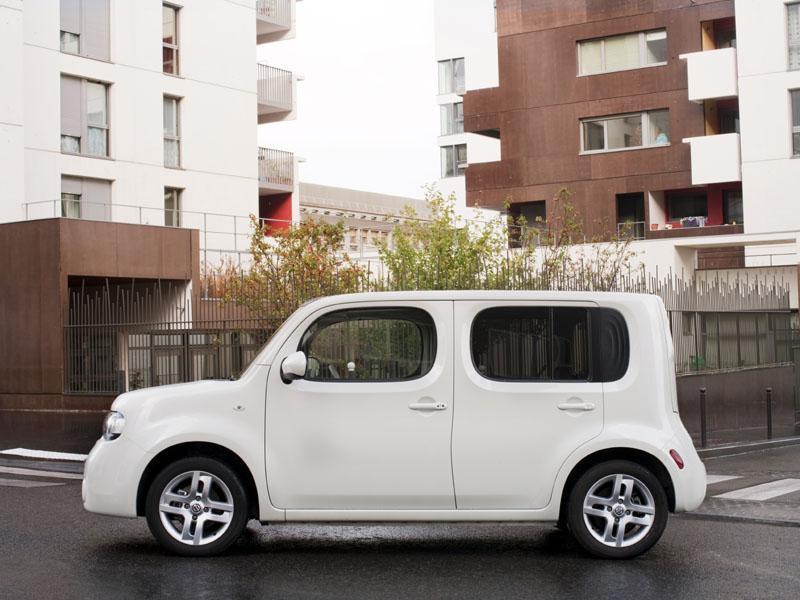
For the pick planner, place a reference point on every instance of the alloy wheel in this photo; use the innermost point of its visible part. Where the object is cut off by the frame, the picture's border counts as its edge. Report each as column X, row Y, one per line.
column 619, row 510
column 196, row 508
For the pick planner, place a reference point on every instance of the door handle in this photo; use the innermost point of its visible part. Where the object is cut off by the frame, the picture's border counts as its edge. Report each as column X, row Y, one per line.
column 428, row 406
column 583, row 406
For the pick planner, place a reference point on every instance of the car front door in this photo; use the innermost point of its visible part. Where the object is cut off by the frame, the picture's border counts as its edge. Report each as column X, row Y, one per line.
column 525, row 399
column 369, row 426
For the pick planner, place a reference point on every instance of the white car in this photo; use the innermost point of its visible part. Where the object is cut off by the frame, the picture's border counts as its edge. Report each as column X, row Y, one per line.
column 418, row 406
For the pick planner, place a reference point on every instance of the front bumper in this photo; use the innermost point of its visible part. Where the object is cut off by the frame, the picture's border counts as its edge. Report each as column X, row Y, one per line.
column 111, row 477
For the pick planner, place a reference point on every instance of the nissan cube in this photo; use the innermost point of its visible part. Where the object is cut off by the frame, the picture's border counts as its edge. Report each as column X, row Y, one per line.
column 418, row 406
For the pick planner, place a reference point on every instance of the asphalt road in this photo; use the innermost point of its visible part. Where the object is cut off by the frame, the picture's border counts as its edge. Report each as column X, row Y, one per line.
column 51, row 548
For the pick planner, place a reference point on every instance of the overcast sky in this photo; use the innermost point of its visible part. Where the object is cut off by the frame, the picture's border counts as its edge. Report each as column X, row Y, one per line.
column 367, row 114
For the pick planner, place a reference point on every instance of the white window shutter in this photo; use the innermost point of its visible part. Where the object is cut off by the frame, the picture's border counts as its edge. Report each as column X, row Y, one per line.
column 95, row 38
column 71, row 107
column 71, row 16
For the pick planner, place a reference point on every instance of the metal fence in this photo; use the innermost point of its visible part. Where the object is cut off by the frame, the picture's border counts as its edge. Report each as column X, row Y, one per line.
column 274, row 87
column 123, row 335
column 275, row 11
column 275, row 167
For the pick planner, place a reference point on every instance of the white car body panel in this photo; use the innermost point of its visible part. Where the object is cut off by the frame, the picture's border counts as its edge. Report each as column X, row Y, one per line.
column 342, row 454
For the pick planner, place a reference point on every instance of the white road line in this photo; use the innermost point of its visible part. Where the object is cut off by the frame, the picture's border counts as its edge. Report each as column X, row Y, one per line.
column 712, row 479
column 765, row 491
column 24, row 483
column 37, row 473
column 48, row 454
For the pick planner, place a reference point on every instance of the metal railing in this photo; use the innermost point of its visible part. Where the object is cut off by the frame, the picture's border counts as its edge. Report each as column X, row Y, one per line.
column 634, row 230
column 275, row 167
column 274, row 87
column 278, row 12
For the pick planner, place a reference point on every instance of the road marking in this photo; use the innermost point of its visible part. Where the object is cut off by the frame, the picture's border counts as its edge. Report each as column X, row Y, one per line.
column 24, row 483
column 712, row 479
column 37, row 473
column 765, row 491
column 48, row 454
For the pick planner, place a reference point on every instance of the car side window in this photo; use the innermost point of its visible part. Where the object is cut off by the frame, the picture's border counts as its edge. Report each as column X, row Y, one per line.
column 370, row 344
column 532, row 344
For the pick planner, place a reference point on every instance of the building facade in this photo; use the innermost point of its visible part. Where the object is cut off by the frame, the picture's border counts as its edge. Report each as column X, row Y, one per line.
column 466, row 56
column 97, row 122
column 674, row 122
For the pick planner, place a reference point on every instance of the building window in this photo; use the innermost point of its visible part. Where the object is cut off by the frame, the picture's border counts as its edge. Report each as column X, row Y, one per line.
column 622, row 52
column 685, row 205
column 84, row 117
column 85, row 26
column 85, row 198
column 370, row 344
column 451, row 76
column 452, row 118
column 70, row 205
column 626, row 132
column 794, row 35
column 732, row 207
column 795, row 94
column 454, row 160
column 172, row 207
column 172, row 140
column 169, row 17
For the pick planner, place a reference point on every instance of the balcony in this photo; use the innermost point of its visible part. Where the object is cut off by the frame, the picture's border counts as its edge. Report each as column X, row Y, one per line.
column 715, row 158
column 275, row 93
column 273, row 19
column 275, row 171
column 712, row 74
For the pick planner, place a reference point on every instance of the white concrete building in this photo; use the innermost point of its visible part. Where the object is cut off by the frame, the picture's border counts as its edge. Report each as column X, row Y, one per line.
column 466, row 53
column 140, row 112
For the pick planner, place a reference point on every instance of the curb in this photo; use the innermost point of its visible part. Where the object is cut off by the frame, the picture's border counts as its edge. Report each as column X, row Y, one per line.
column 745, row 447
column 61, row 466
column 702, row 516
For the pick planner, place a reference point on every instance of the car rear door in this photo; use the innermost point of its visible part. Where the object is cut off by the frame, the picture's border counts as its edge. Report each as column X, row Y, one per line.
column 525, row 399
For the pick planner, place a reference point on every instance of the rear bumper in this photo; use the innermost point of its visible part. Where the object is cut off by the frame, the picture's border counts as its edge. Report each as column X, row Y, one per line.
column 689, row 483
column 111, row 477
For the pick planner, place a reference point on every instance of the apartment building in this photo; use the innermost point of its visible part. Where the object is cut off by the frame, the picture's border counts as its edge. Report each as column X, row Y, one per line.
column 140, row 112
column 676, row 122
column 466, row 56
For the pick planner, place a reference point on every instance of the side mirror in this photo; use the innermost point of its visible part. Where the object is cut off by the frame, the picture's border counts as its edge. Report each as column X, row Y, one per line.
column 293, row 367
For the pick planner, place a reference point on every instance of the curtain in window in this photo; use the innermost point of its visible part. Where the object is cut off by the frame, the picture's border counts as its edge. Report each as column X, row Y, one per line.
column 622, row 52
column 96, row 119
column 591, row 57
column 445, row 76
column 794, row 36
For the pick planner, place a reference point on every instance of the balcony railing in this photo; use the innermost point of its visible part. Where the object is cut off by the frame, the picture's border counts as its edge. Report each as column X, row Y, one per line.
column 275, row 168
column 715, row 158
column 274, row 89
column 712, row 74
column 633, row 230
column 276, row 12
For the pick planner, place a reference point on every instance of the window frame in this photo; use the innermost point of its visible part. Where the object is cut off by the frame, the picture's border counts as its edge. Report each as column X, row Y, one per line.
column 176, row 72
column 794, row 127
column 85, row 125
column 645, row 118
column 74, row 200
column 794, row 5
column 176, row 137
column 453, row 82
column 359, row 311
column 453, row 161
column 642, row 35
column 452, row 123
column 174, row 213
column 590, row 361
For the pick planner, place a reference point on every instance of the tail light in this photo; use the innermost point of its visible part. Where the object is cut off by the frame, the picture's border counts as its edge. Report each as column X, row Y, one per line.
column 676, row 457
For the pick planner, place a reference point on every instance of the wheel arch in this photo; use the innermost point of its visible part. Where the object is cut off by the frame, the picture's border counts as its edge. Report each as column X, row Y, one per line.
column 197, row 449
column 640, row 457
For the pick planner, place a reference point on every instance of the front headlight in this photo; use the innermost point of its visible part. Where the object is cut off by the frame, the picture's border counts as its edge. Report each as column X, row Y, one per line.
column 113, row 425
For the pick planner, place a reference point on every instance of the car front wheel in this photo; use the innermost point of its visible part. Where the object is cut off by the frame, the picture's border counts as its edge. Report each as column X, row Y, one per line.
column 617, row 509
column 196, row 506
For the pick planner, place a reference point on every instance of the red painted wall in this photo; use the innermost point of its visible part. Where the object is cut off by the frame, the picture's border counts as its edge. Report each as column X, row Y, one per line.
column 277, row 207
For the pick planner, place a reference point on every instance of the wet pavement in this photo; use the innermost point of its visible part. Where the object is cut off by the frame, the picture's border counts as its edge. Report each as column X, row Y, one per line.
column 50, row 430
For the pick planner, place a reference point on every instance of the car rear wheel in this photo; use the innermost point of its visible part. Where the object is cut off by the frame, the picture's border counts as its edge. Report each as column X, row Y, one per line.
column 196, row 506
column 617, row 509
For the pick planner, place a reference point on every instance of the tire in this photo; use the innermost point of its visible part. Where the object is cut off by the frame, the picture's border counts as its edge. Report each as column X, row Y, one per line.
column 597, row 521
column 203, row 492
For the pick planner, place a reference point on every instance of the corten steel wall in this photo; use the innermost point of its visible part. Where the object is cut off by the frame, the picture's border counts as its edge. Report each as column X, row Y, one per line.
column 38, row 259
column 541, row 100
column 736, row 404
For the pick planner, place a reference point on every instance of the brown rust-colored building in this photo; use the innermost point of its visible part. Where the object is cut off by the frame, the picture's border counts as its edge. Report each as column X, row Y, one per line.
column 593, row 98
